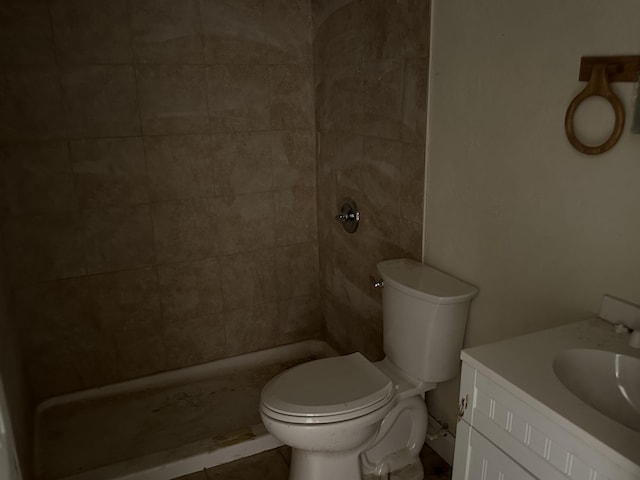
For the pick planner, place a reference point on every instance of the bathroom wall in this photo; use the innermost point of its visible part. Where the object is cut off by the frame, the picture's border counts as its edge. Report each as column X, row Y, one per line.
column 158, row 199
column 14, row 380
column 371, row 62
column 541, row 229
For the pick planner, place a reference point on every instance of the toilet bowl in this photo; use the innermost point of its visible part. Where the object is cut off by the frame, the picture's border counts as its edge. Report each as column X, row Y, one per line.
column 331, row 410
column 347, row 418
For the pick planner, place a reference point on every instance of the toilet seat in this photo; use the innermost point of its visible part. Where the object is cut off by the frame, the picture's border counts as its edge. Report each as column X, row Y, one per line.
column 328, row 390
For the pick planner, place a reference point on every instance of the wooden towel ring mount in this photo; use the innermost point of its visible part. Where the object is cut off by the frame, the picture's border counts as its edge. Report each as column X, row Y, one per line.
column 600, row 71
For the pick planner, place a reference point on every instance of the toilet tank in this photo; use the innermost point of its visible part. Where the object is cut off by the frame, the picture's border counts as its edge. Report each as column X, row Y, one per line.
column 424, row 315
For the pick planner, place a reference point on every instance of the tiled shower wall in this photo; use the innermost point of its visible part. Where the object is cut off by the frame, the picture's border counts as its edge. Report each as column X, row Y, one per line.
column 371, row 61
column 158, row 201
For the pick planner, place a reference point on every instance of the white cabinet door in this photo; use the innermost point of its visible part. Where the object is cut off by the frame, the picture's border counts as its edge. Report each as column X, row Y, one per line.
column 476, row 458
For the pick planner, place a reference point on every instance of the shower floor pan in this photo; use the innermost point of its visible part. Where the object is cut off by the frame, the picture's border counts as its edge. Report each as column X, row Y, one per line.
column 165, row 425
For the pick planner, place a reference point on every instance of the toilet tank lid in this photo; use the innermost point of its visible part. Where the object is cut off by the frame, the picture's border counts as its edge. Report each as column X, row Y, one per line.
column 425, row 282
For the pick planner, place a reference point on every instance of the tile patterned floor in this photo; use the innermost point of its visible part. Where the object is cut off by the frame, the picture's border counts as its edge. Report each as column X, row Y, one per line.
column 274, row 465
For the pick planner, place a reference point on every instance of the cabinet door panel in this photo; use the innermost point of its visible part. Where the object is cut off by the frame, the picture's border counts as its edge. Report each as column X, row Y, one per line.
column 482, row 460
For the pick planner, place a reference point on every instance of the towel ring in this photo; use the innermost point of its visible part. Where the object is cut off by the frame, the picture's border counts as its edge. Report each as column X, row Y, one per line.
column 598, row 86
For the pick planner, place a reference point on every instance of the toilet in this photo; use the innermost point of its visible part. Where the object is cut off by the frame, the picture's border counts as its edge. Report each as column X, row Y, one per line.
column 347, row 418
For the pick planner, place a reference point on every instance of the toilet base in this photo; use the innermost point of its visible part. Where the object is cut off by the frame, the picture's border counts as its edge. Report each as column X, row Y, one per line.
column 415, row 471
column 396, row 448
column 407, row 471
column 309, row 465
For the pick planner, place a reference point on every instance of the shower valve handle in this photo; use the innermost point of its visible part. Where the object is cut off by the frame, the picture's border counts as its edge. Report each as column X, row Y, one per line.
column 349, row 215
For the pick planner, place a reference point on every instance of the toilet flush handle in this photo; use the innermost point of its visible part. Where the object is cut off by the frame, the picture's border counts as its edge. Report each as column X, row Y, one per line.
column 376, row 283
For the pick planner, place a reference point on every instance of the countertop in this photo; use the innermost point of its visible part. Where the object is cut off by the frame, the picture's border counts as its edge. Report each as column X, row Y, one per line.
column 524, row 366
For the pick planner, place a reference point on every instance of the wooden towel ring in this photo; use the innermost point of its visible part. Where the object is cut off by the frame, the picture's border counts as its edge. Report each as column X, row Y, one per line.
column 598, row 86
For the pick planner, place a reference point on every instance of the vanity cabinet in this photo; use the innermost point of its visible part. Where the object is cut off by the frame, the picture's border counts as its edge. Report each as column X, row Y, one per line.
column 480, row 459
column 503, row 435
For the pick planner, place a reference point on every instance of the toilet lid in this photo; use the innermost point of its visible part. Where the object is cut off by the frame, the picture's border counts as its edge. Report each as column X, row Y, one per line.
column 327, row 387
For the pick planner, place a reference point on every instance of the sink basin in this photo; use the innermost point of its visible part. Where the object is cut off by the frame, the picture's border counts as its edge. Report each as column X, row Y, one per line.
column 607, row 381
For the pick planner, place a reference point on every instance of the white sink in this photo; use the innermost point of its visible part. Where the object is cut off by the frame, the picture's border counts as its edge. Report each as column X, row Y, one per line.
column 607, row 381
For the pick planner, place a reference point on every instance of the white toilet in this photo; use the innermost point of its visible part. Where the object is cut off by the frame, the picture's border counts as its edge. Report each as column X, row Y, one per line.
column 347, row 418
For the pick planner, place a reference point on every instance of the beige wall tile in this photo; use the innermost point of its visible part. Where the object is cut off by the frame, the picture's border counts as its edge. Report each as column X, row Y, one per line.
column 336, row 320
column 368, row 87
column 288, row 31
column 65, row 367
column 243, row 162
column 91, row 32
column 338, row 97
column 299, row 318
column 25, row 33
column 381, row 225
column 94, row 359
column 245, row 222
column 101, row 203
column 52, row 372
column 412, row 172
column 396, row 29
column 340, row 326
column 52, row 312
column 295, row 215
column 31, row 106
column 54, row 327
column 366, row 337
column 118, row 238
column 381, row 179
column 195, row 340
column 141, row 355
column 248, row 279
column 233, row 31
column 414, row 100
column 238, row 97
column 339, row 32
column 172, row 99
column 166, row 31
column 291, row 94
column 126, row 303
column 126, row 306
column 373, row 249
column 297, row 270
column 44, row 247
column 180, row 166
column 342, row 152
column 346, row 279
column 109, row 172
column 38, row 178
column 251, row 328
column 101, row 100
column 185, row 230
column 327, row 208
column 190, row 290
column 382, row 99
column 294, row 159
column 410, row 237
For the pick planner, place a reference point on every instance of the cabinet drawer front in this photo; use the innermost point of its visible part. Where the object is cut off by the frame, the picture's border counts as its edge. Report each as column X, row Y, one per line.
column 529, row 437
column 485, row 461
